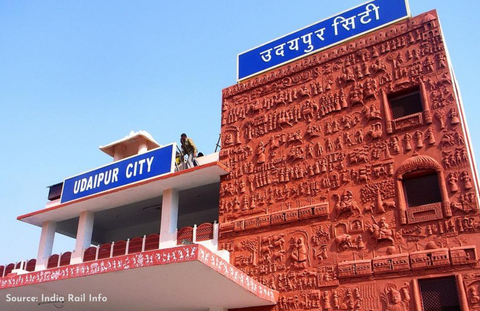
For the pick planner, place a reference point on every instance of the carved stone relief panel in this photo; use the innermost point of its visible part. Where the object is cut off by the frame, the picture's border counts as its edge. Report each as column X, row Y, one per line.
column 327, row 164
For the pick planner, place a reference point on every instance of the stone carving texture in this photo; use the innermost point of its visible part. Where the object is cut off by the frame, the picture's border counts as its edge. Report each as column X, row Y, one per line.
column 315, row 204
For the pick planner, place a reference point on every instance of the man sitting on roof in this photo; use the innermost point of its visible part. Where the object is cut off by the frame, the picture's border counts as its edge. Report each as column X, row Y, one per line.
column 189, row 149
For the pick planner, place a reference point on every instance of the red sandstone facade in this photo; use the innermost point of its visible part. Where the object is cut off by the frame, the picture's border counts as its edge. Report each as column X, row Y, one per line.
column 351, row 181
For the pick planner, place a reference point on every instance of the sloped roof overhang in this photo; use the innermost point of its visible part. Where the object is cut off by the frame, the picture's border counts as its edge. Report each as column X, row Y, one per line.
column 188, row 277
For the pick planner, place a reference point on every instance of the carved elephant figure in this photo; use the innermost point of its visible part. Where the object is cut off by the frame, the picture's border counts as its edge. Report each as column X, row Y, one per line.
column 343, row 242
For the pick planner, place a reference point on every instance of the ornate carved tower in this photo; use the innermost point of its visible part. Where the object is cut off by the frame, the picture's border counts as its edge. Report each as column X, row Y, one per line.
column 351, row 181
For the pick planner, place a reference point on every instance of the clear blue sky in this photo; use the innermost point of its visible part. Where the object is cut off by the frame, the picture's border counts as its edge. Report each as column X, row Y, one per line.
column 75, row 75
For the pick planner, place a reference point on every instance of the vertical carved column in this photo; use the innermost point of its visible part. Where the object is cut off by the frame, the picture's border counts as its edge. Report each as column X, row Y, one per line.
column 447, row 211
column 462, row 293
column 387, row 112
column 427, row 114
column 416, row 295
column 402, row 206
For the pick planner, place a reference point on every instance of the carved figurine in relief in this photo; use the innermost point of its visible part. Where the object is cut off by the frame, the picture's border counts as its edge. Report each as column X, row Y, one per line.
column 378, row 148
column 360, row 175
column 328, row 145
column 345, row 204
column 431, row 84
column 360, row 244
column 449, row 139
column 473, row 295
column 440, row 116
column 393, row 299
column 359, row 71
column 452, row 181
column 348, row 75
column 407, row 139
column 309, row 108
column 299, row 253
column 450, row 226
column 327, row 305
column 358, row 156
column 350, row 120
column 303, row 91
column 375, row 131
column 335, row 126
column 344, row 242
column 454, row 120
column 378, row 65
column 236, row 204
column 380, row 231
column 442, row 62
column 295, row 137
column 245, row 205
column 296, row 153
column 428, row 64
column 405, row 291
column 418, row 135
column 310, row 151
column 312, row 131
column 372, row 113
column 359, row 136
column 459, row 139
column 347, row 137
column 322, row 253
column 458, row 158
column 261, row 153
column 336, row 300
column 317, row 88
column 468, row 202
column 338, row 144
column 430, row 137
column 395, row 144
column 318, row 149
column 328, row 127
column 467, row 224
column 467, row 181
column 349, row 302
column 242, row 186
column 329, row 82
column 370, row 88
column 368, row 209
column 252, row 202
column 343, row 99
column 356, row 95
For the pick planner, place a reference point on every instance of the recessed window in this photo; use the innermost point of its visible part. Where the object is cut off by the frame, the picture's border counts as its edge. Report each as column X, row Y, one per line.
column 422, row 188
column 422, row 194
column 55, row 191
column 405, row 103
column 439, row 294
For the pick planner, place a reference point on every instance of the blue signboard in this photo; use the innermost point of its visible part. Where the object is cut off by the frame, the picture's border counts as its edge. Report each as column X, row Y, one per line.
column 137, row 168
column 334, row 30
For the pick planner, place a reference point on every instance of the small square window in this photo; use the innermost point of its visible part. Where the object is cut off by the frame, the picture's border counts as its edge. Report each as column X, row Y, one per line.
column 55, row 191
column 439, row 294
column 421, row 189
column 405, row 103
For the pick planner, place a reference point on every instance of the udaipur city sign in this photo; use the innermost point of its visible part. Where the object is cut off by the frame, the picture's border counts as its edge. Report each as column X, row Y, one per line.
column 357, row 21
column 147, row 165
